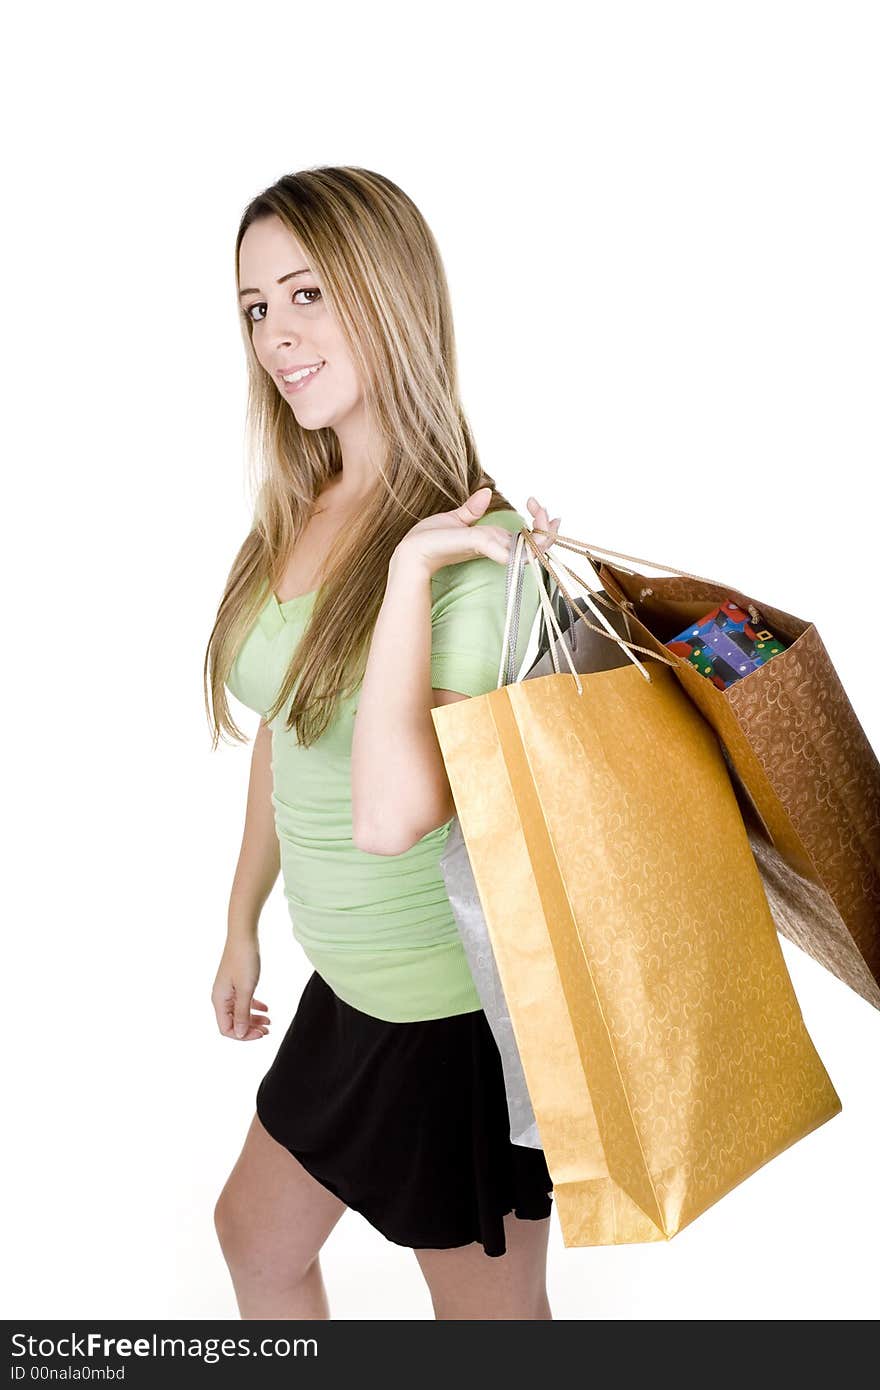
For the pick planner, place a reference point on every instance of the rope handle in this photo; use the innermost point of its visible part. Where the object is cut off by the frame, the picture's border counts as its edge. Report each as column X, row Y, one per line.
column 533, row 553
column 550, row 617
column 586, row 547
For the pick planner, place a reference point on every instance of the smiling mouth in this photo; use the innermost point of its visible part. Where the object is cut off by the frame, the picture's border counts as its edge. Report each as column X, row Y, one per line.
column 303, row 381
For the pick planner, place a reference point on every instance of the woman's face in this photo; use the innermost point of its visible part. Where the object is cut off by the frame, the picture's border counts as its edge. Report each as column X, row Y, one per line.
column 292, row 328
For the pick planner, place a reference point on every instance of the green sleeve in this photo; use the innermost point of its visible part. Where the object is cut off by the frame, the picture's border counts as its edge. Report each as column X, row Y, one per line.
column 467, row 617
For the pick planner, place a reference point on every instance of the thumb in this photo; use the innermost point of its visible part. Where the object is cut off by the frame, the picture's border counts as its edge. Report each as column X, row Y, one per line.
column 242, row 1015
column 476, row 505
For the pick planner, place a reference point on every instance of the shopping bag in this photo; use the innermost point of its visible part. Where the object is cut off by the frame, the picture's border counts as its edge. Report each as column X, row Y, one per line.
column 461, row 889
column 664, row 1052
column 806, row 776
column 588, row 652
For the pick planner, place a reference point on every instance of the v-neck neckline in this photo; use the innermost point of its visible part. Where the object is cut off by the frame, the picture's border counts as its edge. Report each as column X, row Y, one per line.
column 276, row 616
column 282, row 603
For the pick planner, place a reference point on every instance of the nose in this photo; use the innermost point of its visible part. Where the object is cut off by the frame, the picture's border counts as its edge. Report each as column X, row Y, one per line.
column 283, row 343
column 278, row 327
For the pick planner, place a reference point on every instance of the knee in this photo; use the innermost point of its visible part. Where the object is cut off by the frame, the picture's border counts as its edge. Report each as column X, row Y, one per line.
column 251, row 1249
column 229, row 1220
column 236, row 1230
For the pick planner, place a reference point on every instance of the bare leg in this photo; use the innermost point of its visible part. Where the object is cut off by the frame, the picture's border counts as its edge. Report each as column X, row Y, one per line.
column 271, row 1219
column 466, row 1283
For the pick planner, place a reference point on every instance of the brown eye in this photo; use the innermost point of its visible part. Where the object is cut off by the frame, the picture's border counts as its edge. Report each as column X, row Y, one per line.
column 260, row 305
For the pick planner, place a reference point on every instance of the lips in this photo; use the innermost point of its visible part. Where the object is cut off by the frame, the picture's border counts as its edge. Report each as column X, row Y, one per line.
column 299, row 367
column 292, row 388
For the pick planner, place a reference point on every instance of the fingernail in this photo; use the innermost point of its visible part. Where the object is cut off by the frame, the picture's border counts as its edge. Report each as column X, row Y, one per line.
column 240, row 1030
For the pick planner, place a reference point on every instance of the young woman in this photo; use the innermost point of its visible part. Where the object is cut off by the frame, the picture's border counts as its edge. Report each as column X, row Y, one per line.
column 370, row 589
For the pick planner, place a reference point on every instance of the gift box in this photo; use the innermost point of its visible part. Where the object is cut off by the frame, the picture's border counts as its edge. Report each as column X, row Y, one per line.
column 724, row 646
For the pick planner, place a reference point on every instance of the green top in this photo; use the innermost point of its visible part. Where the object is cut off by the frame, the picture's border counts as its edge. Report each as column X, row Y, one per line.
column 378, row 928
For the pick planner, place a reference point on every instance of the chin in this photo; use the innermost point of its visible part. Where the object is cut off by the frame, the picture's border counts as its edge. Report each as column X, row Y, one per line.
column 312, row 420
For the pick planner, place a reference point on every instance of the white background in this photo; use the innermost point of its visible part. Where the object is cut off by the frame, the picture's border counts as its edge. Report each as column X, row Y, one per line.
column 660, row 225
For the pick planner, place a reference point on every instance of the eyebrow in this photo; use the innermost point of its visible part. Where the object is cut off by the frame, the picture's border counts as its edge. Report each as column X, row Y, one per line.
column 289, row 276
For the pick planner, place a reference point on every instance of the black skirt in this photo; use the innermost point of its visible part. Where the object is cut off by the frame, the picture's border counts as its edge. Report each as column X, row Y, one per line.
column 406, row 1123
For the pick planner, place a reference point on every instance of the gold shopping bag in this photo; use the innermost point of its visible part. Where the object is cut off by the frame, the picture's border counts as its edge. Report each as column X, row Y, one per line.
column 664, row 1050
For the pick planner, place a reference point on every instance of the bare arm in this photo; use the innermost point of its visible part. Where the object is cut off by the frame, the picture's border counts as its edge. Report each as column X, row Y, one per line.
column 259, row 860
column 399, row 784
column 400, row 788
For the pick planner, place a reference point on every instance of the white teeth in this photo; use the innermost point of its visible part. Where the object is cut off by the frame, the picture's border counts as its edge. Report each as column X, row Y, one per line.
column 306, row 371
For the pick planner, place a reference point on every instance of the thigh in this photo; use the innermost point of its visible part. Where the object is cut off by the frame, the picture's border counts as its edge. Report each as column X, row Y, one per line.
column 466, row 1283
column 272, row 1214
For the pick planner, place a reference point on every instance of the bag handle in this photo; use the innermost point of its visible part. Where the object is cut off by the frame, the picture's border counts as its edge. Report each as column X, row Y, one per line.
column 585, row 548
column 606, row 630
column 514, row 591
column 533, row 553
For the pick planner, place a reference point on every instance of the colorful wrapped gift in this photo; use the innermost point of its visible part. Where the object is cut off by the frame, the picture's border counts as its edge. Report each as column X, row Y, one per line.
column 724, row 646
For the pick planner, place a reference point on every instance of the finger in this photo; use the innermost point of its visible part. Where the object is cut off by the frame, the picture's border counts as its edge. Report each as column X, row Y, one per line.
column 242, row 1018
column 542, row 523
column 553, row 528
column 536, row 509
column 475, row 506
column 222, row 1005
column 495, row 542
column 226, row 1023
column 251, row 1034
column 226, row 1015
column 506, row 542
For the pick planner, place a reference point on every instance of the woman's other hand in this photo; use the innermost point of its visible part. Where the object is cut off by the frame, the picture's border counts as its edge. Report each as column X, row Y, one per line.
column 232, row 995
column 449, row 537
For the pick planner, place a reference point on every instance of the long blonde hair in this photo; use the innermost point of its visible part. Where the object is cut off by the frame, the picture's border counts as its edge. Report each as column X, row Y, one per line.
column 381, row 275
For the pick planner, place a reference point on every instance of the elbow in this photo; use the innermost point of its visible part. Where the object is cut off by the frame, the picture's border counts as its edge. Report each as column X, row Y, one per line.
column 391, row 839
column 387, row 834
column 373, row 839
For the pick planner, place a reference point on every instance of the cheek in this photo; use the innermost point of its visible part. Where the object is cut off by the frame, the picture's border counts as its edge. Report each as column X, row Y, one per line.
column 335, row 349
column 259, row 351
column 348, row 383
